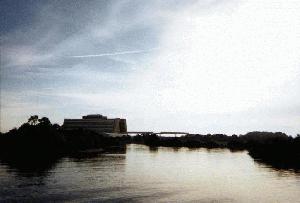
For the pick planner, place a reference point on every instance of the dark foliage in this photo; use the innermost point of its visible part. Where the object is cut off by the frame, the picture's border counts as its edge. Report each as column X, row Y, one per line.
column 38, row 140
column 276, row 149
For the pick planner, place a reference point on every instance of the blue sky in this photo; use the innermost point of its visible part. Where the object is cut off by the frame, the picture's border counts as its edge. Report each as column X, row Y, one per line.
column 198, row 66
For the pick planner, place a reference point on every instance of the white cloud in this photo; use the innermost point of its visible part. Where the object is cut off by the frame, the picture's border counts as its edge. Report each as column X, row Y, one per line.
column 227, row 61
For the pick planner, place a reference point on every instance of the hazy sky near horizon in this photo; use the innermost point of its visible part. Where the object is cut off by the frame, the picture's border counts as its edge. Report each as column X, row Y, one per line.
column 206, row 66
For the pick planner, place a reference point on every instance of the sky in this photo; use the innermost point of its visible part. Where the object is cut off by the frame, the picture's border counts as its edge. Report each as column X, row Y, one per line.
column 198, row 66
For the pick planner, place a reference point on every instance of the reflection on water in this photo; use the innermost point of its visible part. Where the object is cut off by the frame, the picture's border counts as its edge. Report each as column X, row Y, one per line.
column 143, row 174
column 30, row 167
column 279, row 164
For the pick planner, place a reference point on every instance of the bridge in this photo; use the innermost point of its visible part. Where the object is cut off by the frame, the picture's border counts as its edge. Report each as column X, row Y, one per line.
column 173, row 133
column 158, row 133
column 140, row 132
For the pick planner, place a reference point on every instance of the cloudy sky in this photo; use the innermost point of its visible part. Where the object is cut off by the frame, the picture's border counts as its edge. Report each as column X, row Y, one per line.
column 206, row 66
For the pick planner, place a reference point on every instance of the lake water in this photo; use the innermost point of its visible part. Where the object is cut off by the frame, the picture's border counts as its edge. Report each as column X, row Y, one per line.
column 153, row 175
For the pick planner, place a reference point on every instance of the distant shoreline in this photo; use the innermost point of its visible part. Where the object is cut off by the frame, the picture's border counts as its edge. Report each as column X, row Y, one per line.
column 277, row 149
column 38, row 140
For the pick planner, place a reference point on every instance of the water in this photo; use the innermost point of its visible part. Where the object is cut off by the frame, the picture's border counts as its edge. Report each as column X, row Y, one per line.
column 147, row 175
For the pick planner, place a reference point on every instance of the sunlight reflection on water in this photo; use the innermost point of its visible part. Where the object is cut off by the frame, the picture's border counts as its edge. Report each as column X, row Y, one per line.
column 144, row 174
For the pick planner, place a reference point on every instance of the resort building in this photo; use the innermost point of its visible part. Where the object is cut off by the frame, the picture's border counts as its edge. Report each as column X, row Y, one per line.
column 98, row 124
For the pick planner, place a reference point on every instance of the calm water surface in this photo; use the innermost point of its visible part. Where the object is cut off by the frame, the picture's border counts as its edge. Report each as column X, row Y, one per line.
column 147, row 175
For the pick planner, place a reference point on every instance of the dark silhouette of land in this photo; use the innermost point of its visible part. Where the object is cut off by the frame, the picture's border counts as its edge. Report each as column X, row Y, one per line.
column 39, row 144
column 275, row 149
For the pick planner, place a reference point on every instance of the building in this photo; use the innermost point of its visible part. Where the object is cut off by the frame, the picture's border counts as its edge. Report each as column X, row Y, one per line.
column 98, row 124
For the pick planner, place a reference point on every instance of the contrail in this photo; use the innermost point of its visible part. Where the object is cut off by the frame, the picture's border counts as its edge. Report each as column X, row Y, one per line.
column 113, row 53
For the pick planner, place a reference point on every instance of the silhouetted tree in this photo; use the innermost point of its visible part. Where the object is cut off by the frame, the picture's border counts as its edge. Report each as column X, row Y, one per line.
column 13, row 131
column 33, row 120
column 56, row 126
column 44, row 121
column 151, row 139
